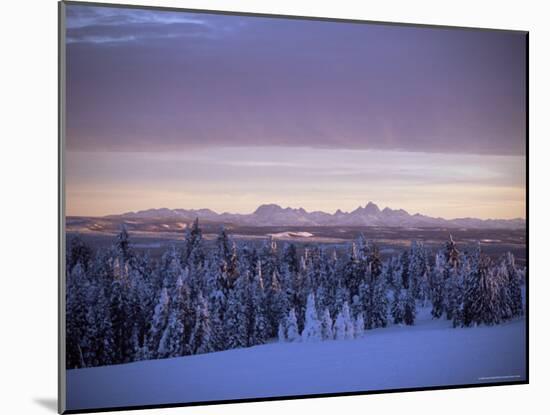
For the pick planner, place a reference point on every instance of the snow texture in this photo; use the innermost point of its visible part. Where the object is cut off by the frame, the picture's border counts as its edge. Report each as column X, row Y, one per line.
column 430, row 353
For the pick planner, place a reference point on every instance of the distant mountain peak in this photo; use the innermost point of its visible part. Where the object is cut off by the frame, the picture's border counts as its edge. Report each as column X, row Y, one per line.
column 372, row 208
column 268, row 209
column 272, row 214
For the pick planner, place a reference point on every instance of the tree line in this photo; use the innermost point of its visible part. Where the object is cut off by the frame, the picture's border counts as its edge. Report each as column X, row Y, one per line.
column 123, row 306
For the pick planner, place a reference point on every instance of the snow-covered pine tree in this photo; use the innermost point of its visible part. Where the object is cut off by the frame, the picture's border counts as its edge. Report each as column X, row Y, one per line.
column 359, row 326
column 78, row 252
column 292, row 333
column 453, row 293
column 500, row 274
column 171, row 268
column 289, row 284
column 392, row 273
column 121, row 325
column 417, row 266
column 451, row 253
column 76, row 317
column 349, row 323
column 424, row 288
column 378, row 313
column 327, row 332
column 290, row 258
column 312, row 325
column 216, row 291
column 269, row 260
column 409, row 314
column 236, row 322
column 201, row 339
column 260, row 328
column 139, row 304
column 193, row 254
column 340, row 327
column 342, row 296
column 281, row 332
column 374, row 260
column 276, row 302
column 224, row 249
column 99, row 330
column 181, row 305
column 398, row 306
column 404, row 263
column 353, row 272
column 325, row 291
column 437, row 286
column 480, row 305
column 344, row 325
column 171, row 341
column 159, row 322
column 514, row 286
column 123, row 245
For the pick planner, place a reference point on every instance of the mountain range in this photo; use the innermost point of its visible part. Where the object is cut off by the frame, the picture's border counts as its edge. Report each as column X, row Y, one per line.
column 368, row 215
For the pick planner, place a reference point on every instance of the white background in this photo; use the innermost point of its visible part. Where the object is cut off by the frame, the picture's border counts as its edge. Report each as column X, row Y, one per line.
column 28, row 188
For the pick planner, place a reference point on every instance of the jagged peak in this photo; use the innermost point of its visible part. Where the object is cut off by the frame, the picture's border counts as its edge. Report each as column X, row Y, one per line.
column 268, row 208
column 371, row 207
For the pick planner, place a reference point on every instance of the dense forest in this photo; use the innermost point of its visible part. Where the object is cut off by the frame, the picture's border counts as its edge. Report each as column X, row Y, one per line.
column 123, row 306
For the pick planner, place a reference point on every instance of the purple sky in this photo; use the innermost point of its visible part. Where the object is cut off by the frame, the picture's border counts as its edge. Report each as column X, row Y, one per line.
column 142, row 81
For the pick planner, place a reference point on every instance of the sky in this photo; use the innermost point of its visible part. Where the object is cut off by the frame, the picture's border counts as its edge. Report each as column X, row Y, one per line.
column 191, row 110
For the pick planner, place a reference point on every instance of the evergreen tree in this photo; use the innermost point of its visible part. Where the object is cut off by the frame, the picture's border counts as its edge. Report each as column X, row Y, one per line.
column 236, row 322
column 513, row 283
column 123, row 245
column 453, row 297
column 277, row 303
column 327, row 332
column 268, row 260
column 201, row 339
column 281, row 333
column 325, row 291
column 290, row 258
column 99, row 332
column 409, row 309
column 404, row 264
column 292, row 333
column 417, row 267
column 353, row 272
column 181, row 307
column 193, row 255
column 121, row 326
column 503, row 294
column 312, row 326
column 159, row 322
column 344, row 325
column 451, row 253
column 377, row 314
column 437, row 286
column 76, row 317
column 260, row 328
column 359, row 326
column 171, row 342
column 398, row 306
column 375, row 261
column 480, row 294
column 79, row 253
column 217, row 289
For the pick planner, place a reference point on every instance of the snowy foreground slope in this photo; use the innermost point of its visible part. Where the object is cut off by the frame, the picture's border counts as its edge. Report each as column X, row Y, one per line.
column 428, row 354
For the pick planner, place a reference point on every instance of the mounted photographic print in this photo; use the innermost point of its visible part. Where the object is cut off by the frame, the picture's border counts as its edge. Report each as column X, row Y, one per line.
column 258, row 207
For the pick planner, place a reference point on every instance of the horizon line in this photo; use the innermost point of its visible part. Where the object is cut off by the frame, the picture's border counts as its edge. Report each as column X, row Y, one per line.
column 299, row 208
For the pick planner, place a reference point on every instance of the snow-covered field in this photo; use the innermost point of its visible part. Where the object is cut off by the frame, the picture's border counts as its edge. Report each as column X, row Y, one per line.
column 428, row 354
